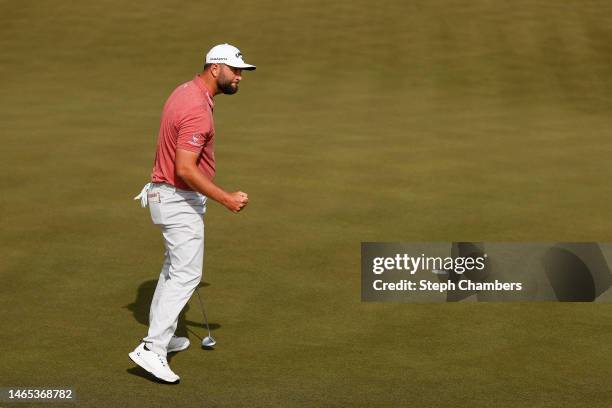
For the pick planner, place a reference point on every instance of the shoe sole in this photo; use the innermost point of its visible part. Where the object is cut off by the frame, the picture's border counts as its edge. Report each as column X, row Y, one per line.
column 134, row 357
column 174, row 350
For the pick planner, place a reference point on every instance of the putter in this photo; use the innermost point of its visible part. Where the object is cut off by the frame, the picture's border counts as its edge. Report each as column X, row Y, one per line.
column 208, row 341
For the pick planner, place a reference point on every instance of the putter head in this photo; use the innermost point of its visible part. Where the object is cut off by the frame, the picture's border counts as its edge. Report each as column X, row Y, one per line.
column 208, row 341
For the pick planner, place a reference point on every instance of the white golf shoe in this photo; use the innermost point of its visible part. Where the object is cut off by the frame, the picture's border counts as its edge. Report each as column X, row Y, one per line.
column 154, row 363
column 178, row 344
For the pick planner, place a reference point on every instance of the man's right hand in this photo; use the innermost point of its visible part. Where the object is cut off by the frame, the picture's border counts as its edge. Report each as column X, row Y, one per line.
column 187, row 169
column 236, row 201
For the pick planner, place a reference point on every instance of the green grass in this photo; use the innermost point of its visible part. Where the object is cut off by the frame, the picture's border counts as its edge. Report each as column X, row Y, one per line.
column 429, row 121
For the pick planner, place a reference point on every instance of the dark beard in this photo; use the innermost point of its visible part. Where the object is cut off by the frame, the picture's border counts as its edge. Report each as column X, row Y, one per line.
column 228, row 89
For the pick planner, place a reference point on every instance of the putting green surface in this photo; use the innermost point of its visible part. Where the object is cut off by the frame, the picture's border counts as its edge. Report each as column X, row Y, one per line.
column 429, row 121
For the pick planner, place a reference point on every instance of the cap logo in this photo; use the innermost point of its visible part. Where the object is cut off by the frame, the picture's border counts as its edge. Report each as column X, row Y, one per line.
column 239, row 55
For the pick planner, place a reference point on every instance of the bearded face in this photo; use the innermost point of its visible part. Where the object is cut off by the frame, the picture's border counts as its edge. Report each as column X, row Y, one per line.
column 228, row 79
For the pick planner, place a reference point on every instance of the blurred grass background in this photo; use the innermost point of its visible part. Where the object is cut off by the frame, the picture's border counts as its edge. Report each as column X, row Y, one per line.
column 429, row 121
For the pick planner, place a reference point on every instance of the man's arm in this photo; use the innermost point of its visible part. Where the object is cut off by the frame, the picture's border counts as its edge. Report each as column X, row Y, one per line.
column 187, row 169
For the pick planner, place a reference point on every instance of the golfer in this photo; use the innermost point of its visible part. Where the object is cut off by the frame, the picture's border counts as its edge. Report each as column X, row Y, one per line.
column 181, row 183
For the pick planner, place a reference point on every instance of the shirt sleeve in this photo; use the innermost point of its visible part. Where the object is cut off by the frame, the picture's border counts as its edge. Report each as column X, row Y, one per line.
column 193, row 130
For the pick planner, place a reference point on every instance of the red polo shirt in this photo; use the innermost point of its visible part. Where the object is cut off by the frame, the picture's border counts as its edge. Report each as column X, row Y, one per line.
column 186, row 123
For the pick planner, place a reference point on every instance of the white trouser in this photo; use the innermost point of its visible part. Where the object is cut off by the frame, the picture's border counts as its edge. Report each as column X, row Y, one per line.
column 179, row 215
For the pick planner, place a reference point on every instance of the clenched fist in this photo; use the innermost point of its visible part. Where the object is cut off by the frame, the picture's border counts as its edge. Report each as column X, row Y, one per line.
column 236, row 201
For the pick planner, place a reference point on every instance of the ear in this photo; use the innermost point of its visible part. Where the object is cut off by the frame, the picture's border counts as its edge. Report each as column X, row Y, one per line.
column 215, row 70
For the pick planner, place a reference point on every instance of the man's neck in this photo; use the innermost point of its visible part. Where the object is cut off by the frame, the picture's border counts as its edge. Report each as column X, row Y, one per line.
column 209, row 83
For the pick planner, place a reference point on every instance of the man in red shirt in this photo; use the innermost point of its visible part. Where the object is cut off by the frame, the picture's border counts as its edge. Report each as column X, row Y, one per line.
column 181, row 182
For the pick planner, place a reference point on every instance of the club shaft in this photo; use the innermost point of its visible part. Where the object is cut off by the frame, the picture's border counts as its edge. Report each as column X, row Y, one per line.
column 203, row 310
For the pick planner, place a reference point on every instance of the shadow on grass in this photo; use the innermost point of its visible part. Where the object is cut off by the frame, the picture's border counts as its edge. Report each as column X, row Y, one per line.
column 141, row 372
column 140, row 310
column 142, row 303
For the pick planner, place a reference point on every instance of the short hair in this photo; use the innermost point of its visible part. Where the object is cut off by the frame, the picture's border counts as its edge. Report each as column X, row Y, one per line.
column 206, row 66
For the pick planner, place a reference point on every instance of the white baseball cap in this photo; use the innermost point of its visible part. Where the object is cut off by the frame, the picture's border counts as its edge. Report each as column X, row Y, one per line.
column 228, row 55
